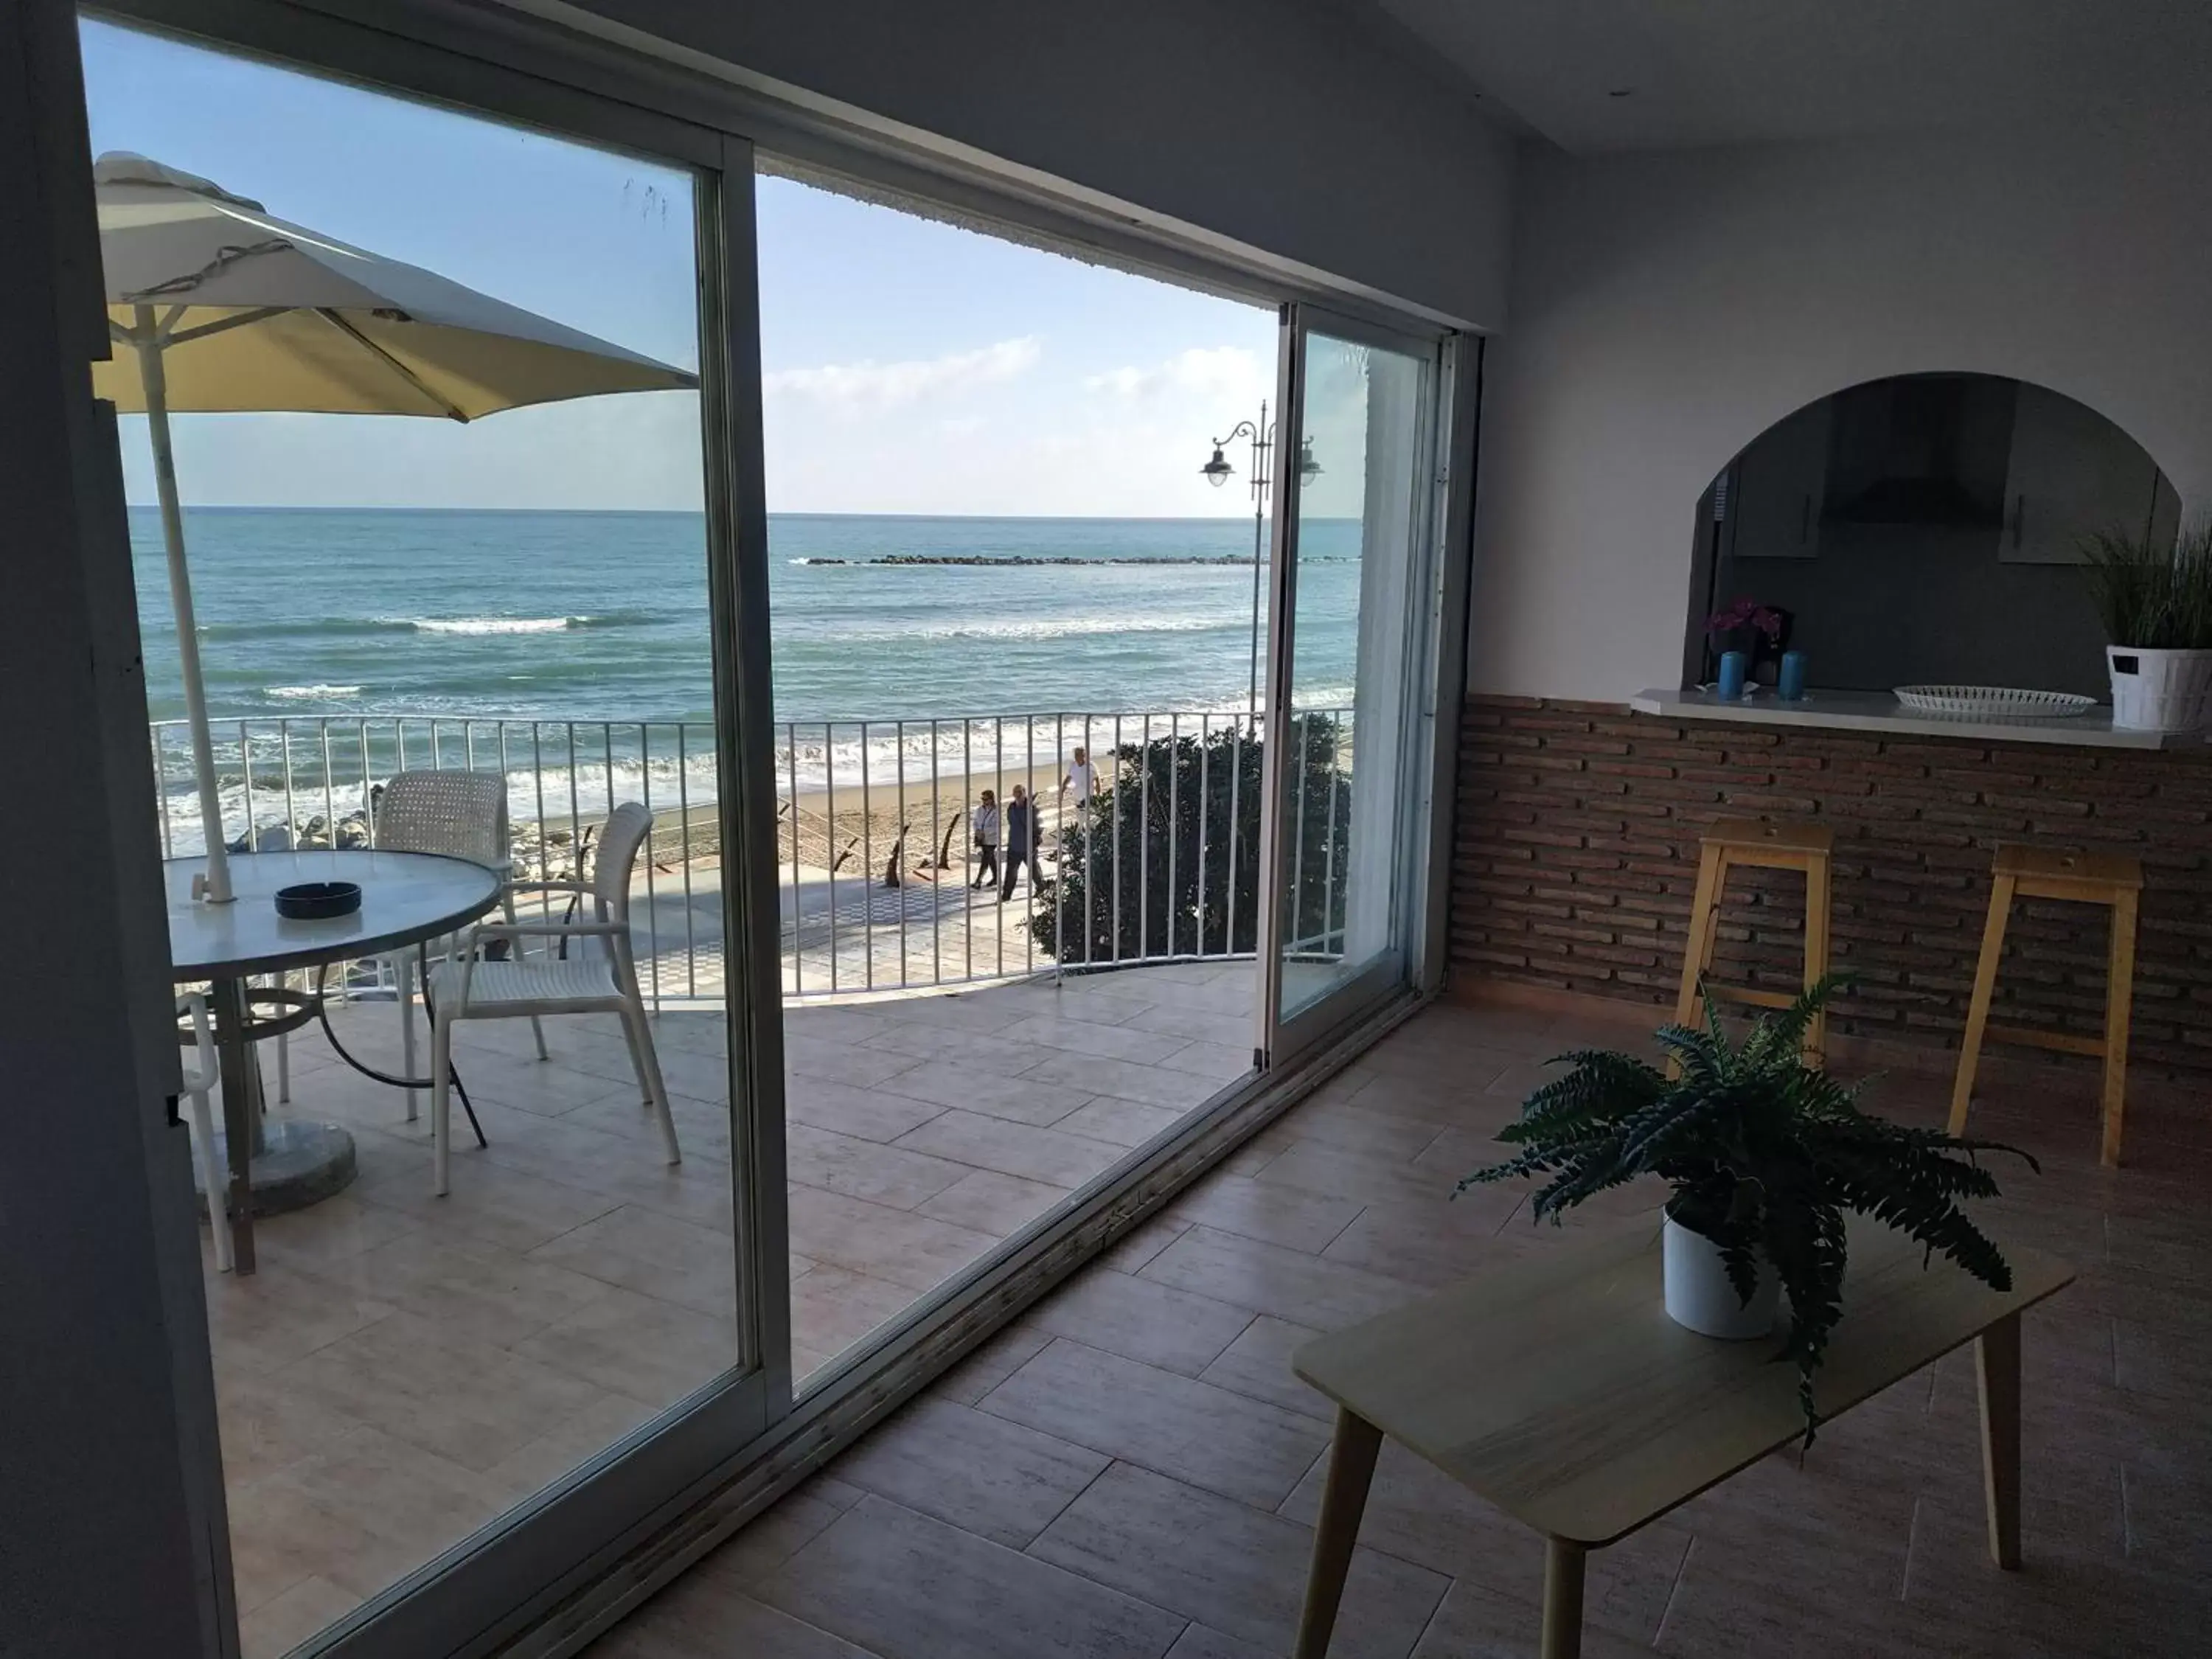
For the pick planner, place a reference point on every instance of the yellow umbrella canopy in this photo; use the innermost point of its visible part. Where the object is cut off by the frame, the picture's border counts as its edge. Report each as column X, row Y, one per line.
column 221, row 307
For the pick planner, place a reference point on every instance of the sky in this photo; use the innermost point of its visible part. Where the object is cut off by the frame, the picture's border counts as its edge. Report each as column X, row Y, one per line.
column 909, row 366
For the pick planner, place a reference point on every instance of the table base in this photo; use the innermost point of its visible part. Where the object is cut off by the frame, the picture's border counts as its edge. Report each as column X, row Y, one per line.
column 301, row 1163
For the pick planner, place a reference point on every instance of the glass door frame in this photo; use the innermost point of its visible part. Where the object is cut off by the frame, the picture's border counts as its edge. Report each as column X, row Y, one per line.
column 477, row 1594
column 1280, row 1039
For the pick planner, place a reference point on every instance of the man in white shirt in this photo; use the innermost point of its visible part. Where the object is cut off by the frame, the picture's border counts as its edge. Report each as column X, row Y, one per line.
column 1081, row 779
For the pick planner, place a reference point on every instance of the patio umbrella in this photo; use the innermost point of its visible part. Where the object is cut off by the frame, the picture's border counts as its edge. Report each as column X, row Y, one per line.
column 224, row 308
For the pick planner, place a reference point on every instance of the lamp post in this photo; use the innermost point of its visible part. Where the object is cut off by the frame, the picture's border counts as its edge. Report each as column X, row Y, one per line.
column 1217, row 472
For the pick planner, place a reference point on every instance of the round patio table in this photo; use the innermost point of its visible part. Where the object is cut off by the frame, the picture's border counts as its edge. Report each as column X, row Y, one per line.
column 405, row 898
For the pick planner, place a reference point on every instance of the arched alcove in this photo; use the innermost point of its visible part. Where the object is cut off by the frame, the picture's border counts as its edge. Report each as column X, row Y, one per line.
column 1926, row 527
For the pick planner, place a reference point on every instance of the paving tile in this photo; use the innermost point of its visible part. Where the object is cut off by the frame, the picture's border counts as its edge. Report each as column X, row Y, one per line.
column 1061, row 1033
column 993, row 1203
column 1268, row 1279
column 1224, row 1062
column 1233, row 1568
column 1140, row 1319
column 1194, row 1025
column 285, row 1620
column 975, row 1088
column 770, row 1538
column 654, row 1254
column 489, row 1294
column 996, row 1359
column 509, row 1207
column 869, row 1114
column 1210, row 1437
column 982, row 1471
column 841, row 1062
column 913, row 1250
column 832, row 1308
column 638, row 1345
column 1119, row 1122
column 1016, row 1149
column 1152, row 1086
column 893, row 1176
column 906, row 1586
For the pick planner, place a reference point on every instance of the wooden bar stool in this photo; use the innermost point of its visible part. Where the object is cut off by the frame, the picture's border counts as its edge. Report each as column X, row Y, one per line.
column 2113, row 879
column 1747, row 844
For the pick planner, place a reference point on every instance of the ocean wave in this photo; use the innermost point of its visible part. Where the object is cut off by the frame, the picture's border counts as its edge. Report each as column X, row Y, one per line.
column 310, row 693
column 496, row 624
column 1042, row 628
column 354, row 627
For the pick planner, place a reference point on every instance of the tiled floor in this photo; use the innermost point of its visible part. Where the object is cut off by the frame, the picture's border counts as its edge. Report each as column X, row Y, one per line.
column 403, row 1367
column 1132, row 1470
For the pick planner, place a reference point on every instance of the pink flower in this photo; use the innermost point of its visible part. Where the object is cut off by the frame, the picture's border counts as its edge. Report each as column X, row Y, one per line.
column 1748, row 613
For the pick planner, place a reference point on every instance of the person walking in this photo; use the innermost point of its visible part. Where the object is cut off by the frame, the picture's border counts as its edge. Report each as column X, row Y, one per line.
column 986, row 840
column 1021, row 841
column 1082, row 778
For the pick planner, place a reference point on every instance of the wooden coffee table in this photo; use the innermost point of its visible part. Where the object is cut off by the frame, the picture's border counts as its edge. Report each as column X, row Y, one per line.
column 1559, row 1390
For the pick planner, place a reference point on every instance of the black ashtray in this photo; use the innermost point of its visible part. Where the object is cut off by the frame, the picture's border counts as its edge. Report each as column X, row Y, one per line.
column 319, row 901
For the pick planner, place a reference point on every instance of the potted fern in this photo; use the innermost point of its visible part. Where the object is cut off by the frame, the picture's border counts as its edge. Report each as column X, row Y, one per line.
column 1765, row 1154
column 2156, row 601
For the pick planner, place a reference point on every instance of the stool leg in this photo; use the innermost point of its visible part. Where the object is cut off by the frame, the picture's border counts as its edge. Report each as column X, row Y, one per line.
column 1563, row 1564
column 1816, row 954
column 1704, row 911
column 2119, row 996
column 1977, row 1010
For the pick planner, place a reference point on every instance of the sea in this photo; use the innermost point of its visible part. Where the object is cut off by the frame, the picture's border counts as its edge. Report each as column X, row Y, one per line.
column 406, row 623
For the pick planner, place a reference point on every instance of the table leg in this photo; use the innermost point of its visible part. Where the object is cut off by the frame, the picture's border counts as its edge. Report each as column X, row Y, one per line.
column 1996, row 1368
column 241, row 1116
column 1351, row 1467
column 1563, row 1598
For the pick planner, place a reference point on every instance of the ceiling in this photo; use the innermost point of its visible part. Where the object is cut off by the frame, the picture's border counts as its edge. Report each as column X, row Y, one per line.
column 1625, row 75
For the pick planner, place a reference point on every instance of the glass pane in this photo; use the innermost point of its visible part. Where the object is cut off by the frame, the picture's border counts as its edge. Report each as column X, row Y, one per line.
column 1013, row 603
column 1361, row 531
column 477, row 638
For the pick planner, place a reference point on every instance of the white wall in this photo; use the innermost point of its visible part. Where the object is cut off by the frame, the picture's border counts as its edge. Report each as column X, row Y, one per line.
column 1667, row 308
column 1280, row 123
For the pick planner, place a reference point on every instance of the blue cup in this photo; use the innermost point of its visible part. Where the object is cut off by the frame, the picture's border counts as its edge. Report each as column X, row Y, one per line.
column 1734, row 663
column 1792, row 686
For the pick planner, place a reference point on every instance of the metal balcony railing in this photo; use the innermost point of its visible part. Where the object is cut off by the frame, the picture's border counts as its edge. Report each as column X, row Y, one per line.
column 874, row 831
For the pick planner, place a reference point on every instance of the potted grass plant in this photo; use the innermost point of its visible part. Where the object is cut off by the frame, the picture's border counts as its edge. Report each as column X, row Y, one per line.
column 2156, row 601
column 1766, row 1155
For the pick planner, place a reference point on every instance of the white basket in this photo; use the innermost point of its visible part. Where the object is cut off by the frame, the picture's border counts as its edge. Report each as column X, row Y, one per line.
column 1992, row 702
column 2160, row 690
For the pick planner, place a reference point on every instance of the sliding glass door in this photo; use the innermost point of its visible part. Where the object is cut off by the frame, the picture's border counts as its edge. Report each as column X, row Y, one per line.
column 454, row 1370
column 1352, row 632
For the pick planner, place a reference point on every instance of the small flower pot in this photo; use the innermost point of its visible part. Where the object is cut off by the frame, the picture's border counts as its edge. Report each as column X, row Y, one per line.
column 2157, row 691
column 1700, row 1297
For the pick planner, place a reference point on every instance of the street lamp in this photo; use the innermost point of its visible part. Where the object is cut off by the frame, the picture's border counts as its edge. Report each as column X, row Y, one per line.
column 1217, row 472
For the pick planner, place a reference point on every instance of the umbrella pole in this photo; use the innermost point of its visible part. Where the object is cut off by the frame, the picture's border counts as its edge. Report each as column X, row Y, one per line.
column 154, row 377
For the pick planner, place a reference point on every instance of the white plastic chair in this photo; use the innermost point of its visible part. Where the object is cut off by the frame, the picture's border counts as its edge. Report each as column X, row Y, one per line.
column 462, row 815
column 200, row 1076
column 598, row 975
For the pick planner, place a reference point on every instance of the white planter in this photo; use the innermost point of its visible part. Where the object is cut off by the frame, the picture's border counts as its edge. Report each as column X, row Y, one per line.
column 1700, row 1297
column 2160, row 690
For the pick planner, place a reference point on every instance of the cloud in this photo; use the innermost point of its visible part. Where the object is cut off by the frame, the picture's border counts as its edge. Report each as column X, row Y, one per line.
column 1232, row 375
column 871, row 387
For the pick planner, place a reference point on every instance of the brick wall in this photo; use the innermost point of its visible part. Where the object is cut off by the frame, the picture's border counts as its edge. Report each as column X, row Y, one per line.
column 1577, row 854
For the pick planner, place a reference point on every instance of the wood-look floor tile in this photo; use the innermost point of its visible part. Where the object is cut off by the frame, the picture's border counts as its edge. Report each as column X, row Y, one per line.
column 906, row 1586
column 1268, row 1278
column 1233, row 1568
column 1478, row 1623
column 1258, row 1364
column 697, row 1618
column 1207, row 1435
column 1129, row 1253
column 771, row 1538
column 1366, row 1177
column 1419, row 1513
column 1435, row 1246
column 1274, row 1215
column 1015, row 1149
column 982, row 1471
column 998, row 1357
column 1200, row 1642
column 1140, row 1319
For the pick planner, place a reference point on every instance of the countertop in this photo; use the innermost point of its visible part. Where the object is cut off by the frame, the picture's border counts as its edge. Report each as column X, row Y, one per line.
column 1879, row 711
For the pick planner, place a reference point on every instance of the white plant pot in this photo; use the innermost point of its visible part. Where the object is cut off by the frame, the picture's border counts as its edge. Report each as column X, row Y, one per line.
column 1700, row 1297
column 2155, row 691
